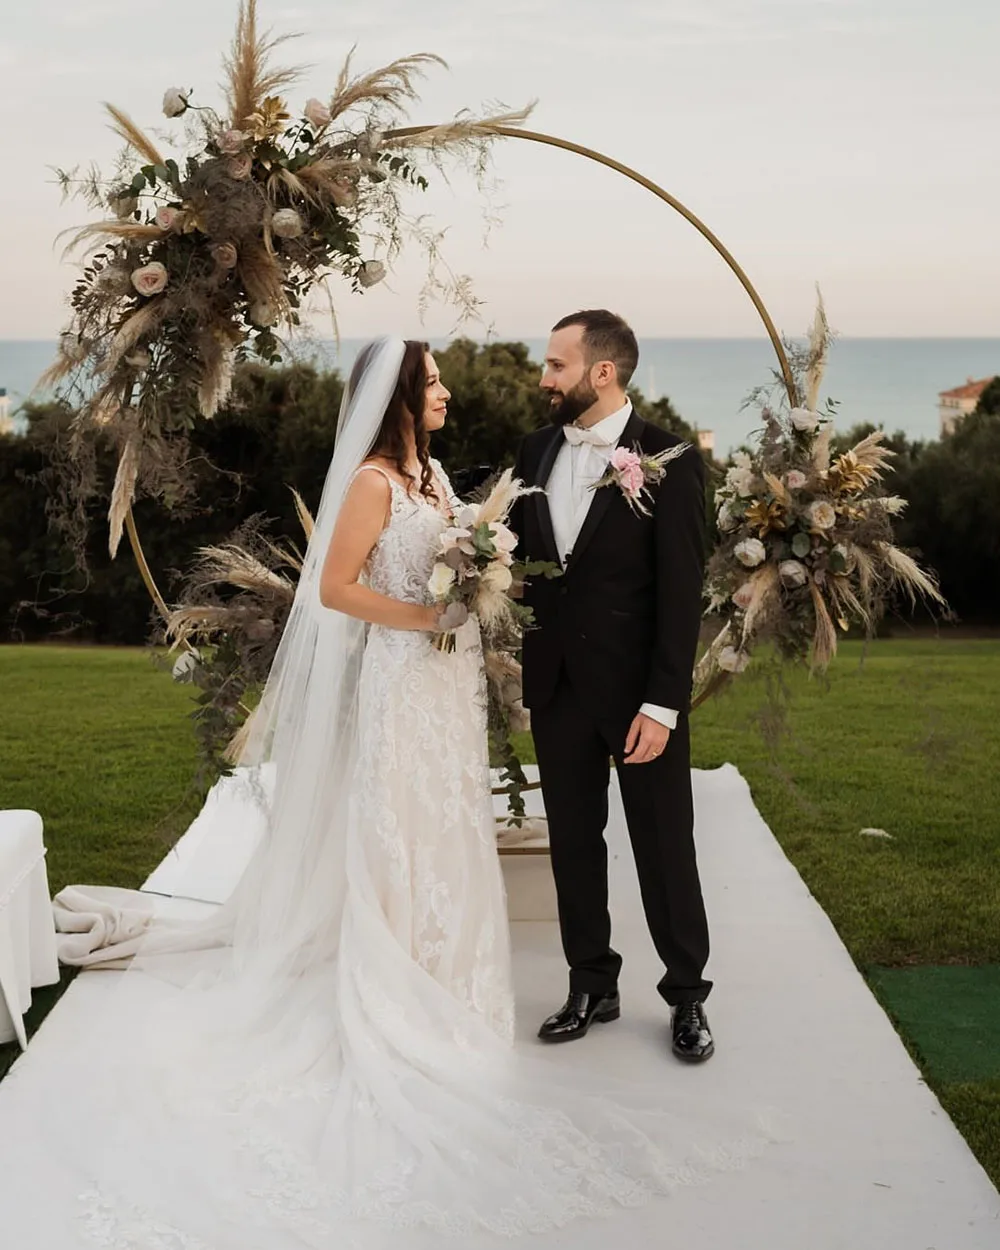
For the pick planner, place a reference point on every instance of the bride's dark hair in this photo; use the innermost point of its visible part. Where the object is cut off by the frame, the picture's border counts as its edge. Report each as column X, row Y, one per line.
column 406, row 407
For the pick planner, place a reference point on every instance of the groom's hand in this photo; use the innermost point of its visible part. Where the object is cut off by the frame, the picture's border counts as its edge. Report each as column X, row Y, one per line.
column 646, row 739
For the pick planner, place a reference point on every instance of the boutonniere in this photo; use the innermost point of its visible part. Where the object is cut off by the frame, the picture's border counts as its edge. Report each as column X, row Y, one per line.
column 633, row 472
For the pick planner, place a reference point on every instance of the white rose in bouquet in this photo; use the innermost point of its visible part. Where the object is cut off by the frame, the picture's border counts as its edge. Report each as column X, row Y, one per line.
column 750, row 552
column 740, row 477
column 821, row 515
column 795, row 479
column 792, row 573
column 441, row 580
column 733, row 661
column 804, row 420
column 497, row 577
column 175, row 101
column 316, row 113
column 287, row 224
column 504, row 540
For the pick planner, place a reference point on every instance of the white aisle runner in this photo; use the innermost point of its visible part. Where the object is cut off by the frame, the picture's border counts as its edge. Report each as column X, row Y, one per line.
column 874, row 1163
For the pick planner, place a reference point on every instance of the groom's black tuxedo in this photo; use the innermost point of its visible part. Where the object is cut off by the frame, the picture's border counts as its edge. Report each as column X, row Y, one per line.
column 618, row 629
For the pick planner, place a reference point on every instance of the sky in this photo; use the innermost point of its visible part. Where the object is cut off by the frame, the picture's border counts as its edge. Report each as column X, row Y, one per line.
column 850, row 143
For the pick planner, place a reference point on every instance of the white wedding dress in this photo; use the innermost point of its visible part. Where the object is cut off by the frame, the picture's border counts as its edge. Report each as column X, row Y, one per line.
column 424, row 834
column 370, row 1082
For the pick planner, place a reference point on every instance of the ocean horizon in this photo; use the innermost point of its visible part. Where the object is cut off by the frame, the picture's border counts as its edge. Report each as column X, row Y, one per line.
column 892, row 382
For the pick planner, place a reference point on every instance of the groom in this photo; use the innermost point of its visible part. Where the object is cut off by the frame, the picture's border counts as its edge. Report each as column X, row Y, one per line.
column 607, row 674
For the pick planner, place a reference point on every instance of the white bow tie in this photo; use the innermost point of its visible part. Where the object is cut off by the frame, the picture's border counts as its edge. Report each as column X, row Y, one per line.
column 577, row 434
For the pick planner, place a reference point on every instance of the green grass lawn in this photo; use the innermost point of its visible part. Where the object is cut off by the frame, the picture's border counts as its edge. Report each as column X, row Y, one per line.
column 904, row 737
column 97, row 739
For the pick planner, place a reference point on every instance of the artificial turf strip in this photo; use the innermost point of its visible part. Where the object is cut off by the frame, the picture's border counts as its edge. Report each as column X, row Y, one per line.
column 950, row 1015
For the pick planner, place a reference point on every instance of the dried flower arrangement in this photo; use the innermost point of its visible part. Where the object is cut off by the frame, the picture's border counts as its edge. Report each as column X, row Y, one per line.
column 806, row 543
column 205, row 258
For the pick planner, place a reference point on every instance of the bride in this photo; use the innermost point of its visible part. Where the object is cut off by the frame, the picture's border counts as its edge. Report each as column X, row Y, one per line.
column 329, row 1059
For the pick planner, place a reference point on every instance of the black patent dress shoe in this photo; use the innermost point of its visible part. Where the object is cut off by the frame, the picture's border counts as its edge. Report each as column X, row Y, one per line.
column 692, row 1038
column 578, row 1013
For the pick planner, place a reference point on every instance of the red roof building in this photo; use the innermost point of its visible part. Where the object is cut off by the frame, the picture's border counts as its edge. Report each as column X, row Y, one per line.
column 959, row 402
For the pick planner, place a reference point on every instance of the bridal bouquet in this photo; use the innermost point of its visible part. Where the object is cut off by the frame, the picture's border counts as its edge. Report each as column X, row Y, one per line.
column 204, row 255
column 476, row 574
column 475, row 571
column 806, row 542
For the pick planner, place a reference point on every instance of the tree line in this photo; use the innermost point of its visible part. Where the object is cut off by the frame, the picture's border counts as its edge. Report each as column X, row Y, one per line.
column 278, row 432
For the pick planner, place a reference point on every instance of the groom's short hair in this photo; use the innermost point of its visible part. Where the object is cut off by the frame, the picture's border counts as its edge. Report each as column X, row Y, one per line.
column 606, row 336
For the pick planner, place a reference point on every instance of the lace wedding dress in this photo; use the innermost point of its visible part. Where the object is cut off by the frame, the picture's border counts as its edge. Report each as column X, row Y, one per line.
column 424, row 833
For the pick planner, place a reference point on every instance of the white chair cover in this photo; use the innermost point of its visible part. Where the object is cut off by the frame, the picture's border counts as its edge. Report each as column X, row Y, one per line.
column 27, row 932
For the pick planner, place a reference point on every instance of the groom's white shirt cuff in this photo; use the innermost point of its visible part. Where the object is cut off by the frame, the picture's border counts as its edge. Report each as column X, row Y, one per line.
column 665, row 715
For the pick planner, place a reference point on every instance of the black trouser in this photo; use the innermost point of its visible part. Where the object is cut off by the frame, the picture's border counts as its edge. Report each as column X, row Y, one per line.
column 574, row 751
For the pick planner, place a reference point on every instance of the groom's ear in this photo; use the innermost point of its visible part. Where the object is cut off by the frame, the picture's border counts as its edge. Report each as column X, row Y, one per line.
column 603, row 373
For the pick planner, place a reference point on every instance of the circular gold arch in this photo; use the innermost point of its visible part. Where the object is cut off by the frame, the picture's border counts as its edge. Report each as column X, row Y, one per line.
column 534, row 136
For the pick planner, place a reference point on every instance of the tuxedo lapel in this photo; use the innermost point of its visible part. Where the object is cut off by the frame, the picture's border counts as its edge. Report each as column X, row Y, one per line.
column 539, row 499
column 604, row 495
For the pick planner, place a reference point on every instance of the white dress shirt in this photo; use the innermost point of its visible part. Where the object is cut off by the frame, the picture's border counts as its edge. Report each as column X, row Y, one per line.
column 577, row 467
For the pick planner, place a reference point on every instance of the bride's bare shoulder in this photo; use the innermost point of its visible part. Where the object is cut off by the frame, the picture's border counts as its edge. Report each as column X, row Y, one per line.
column 371, row 484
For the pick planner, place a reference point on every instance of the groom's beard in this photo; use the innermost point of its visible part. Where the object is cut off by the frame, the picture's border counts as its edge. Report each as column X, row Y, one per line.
column 564, row 409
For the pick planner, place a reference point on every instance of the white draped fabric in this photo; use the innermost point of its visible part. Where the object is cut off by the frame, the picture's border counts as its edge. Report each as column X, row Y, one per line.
column 27, row 936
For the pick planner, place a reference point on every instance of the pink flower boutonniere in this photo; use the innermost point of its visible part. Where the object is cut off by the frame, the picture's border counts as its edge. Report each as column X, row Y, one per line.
column 633, row 472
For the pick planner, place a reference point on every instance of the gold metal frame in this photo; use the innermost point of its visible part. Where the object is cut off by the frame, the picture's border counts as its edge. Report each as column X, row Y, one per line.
column 534, row 136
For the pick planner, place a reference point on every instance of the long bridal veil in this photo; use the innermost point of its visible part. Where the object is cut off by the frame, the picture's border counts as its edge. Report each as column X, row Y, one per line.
column 286, row 1076
column 297, row 761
